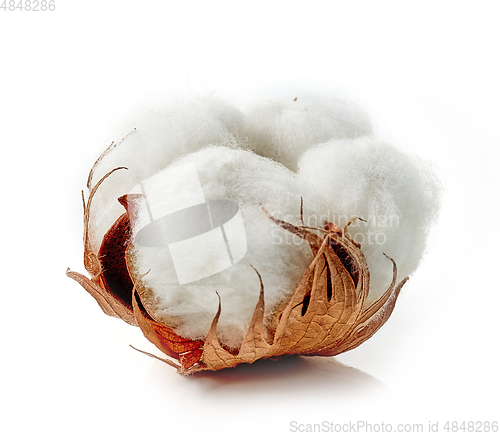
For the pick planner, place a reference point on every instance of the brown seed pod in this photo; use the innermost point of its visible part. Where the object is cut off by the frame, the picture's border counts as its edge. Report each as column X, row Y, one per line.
column 325, row 316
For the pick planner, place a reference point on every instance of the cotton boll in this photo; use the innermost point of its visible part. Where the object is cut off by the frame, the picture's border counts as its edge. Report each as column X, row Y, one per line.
column 284, row 128
column 155, row 135
column 251, row 181
column 396, row 193
column 203, row 182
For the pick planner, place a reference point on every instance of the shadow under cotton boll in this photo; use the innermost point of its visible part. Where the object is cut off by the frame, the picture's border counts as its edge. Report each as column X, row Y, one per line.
column 292, row 374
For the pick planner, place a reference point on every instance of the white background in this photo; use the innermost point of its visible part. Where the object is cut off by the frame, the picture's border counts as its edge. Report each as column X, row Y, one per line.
column 427, row 72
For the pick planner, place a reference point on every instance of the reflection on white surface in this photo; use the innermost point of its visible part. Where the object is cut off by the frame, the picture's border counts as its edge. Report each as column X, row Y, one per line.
column 291, row 373
column 285, row 377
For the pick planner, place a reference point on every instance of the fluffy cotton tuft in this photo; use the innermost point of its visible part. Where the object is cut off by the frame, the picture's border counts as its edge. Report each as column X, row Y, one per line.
column 253, row 182
column 284, row 128
column 397, row 194
column 318, row 148
column 154, row 136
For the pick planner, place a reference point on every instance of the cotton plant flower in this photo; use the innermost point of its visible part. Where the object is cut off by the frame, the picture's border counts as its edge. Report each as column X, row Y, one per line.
column 231, row 235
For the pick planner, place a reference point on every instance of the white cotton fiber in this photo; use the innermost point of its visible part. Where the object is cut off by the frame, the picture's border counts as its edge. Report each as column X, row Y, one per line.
column 397, row 194
column 316, row 147
column 284, row 128
column 251, row 181
column 156, row 134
